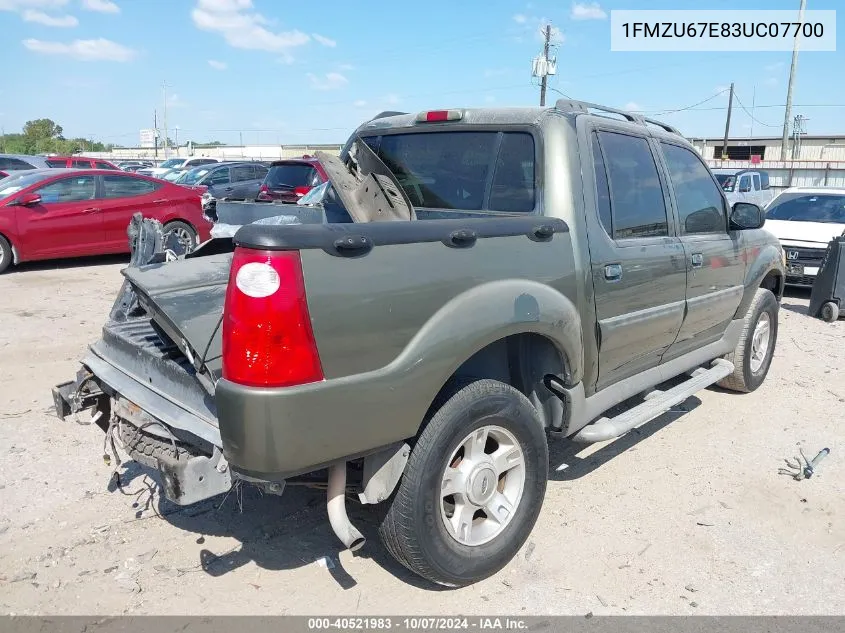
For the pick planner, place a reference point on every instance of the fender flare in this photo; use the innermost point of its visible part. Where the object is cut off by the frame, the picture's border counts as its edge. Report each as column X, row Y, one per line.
column 766, row 260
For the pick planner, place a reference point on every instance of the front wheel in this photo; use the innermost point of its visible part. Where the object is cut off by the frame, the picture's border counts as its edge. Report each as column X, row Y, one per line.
column 753, row 354
column 473, row 487
column 6, row 255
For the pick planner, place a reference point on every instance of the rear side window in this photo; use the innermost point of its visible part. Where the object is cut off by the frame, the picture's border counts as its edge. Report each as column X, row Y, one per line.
column 756, row 179
column 451, row 170
column 745, row 184
column 57, row 163
column 100, row 165
column 261, row 172
column 700, row 205
column 636, row 196
column 126, row 187
column 239, row 174
column 291, row 175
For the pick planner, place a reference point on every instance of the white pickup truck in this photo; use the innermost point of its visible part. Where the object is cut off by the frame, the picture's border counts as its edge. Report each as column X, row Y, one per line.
column 745, row 185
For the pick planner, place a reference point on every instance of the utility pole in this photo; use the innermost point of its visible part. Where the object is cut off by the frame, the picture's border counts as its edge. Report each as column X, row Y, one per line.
column 164, row 86
column 155, row 133
column 787, row 115
column 728, row 124
column 548, row 36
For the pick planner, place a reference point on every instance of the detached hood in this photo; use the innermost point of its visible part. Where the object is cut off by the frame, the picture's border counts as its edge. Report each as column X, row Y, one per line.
column 810, row 233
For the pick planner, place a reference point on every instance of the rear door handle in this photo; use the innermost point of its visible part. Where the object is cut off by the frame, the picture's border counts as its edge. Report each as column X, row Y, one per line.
column 613, row 272
column 90, row 210
column 160, row 201
column 697, row 260
column 229, row 189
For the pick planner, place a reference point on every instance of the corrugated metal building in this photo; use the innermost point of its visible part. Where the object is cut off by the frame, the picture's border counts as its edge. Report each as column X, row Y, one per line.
column 814, row 161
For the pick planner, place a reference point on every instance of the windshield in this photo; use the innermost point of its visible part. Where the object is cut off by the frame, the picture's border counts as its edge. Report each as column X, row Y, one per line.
column 193, row 176
column 291, row 175
column 172, row 176
column 170, row 163
column 12, row 184
column 727, row 181
column 826, row 208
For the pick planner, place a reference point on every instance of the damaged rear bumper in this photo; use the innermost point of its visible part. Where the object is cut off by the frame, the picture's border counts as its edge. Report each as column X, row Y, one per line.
column 181, row 446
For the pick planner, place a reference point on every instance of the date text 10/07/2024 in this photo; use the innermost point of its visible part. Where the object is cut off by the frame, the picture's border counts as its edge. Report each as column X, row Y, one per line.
column 417, row 624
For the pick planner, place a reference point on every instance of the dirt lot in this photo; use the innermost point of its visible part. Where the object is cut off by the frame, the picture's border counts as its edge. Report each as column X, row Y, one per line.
column 688, row 515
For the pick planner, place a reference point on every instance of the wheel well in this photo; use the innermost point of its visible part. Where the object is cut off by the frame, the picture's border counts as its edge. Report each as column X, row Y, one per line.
column 12, row 246
column 773, row 281
column 520, row 360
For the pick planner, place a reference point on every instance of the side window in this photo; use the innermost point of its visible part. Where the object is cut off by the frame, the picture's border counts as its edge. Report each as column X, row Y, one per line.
column 261, row 172
column 701, row 208
column 239, row 174
column 58, row 164
column 68, row 190
column 745, row 184
column 602, row 189
column 126, row 187
column 313, row 178
column 100, row 165
column 81, row 164
column 756, row 179
column 15, row 163
column 219, row 177
column 635, row 191
column 513, row 180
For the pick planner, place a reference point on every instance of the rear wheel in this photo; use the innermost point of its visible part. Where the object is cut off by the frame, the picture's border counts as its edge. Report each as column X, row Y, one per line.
column 473, row 487
column 753, row 354
column 830, row 312
column 183, row 233
column 6, row 255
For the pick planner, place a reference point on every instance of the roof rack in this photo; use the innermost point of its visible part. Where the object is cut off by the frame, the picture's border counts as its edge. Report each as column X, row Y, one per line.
column 573, row 106
column 387, row 113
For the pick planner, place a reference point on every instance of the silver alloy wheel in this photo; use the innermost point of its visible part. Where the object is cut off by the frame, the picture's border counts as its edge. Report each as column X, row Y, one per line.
column 2, row 252
column 760, row 341
column 482, row 485
column 184, row 237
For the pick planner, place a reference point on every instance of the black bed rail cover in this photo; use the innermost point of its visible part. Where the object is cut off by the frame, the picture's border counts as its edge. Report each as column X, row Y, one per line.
column 350, row 240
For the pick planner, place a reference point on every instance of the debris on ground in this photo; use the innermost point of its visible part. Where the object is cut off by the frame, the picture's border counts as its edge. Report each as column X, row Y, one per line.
column 24, row 576
column 690, row 588
column 805, row 470
column 127, row 583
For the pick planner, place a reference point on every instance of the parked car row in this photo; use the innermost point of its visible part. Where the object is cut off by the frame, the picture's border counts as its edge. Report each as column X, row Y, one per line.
column 50, row 213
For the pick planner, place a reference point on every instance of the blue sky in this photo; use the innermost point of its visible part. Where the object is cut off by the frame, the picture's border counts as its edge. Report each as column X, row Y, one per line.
column 279, row 71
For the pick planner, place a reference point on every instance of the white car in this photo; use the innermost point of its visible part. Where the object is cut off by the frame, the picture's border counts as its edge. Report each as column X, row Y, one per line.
column 175, row 163
column 805, row 220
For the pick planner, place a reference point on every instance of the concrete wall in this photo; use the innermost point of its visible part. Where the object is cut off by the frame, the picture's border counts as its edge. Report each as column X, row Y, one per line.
column 223, row 152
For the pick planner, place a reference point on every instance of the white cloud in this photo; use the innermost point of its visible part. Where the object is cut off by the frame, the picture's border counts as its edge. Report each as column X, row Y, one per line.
column 585, row 11
column 520, row 18
column 217, row 65
column 84, row 50
column 39, row 17
column 21, row 5
column 101, row 6
column 633, row 106
column 329, row 81
column 243, row 28
column 556, row 35
column 496, row 72
column 325, row 41
column 360, row 103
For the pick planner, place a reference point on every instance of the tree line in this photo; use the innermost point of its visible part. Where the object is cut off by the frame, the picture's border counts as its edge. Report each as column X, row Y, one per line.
column 45, row 136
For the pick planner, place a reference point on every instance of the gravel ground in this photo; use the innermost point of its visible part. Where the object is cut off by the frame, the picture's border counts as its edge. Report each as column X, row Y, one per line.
column 685, row 516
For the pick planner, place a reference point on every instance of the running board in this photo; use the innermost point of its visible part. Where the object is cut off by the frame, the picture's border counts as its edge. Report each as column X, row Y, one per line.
column 656, row 403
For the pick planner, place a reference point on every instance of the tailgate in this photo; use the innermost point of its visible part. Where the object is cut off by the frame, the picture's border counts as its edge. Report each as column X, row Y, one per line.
column 185, row 300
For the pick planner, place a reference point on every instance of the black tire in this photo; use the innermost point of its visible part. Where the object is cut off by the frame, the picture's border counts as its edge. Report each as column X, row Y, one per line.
column 413, row 529
column 191, row 238
column 744, row 379
column 829, row 311
column 6, row 256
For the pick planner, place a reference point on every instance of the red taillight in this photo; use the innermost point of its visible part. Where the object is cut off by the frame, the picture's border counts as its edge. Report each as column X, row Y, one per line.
column 264, row 193
column 267, row 336
column 434, row 116
column 301, row 191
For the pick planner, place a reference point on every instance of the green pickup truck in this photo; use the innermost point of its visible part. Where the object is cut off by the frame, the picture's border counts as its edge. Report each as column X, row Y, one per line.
column 505, row 277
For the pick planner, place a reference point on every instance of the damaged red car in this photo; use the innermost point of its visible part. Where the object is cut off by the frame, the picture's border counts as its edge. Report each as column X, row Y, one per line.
column 52, row 213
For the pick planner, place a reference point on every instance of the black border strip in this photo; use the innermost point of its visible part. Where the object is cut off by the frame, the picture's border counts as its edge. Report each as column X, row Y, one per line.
column 350, row 240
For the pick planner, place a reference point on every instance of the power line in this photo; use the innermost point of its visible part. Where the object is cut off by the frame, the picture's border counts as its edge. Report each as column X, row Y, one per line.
column 753, row 118
column 690, row 107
